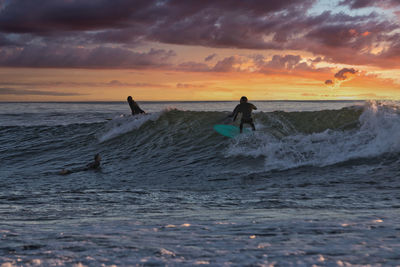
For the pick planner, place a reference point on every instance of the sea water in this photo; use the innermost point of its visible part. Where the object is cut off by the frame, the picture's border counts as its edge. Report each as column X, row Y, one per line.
column 317, row 184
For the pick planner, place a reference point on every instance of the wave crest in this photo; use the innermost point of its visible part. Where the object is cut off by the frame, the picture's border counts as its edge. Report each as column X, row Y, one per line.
column 376, row 131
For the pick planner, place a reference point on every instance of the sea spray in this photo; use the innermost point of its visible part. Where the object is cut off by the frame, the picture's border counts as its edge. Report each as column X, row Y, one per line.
column 125, row 123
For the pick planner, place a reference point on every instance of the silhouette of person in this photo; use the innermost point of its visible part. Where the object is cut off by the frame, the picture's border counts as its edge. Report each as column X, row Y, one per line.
column 90, row 166
column 134, row 106
column 95, row 164
column 246, row 109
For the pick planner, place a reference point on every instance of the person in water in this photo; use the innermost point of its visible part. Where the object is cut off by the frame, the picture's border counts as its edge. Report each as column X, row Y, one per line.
column 134, row 106
column 90, row 166
column 246, row 109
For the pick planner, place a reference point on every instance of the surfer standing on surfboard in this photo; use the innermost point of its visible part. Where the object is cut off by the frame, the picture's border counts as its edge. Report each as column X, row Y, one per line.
column 246, row 109
column 134, row 106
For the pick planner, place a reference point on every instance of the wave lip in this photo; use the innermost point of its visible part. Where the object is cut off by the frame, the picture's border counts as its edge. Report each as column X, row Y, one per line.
column 123, row 124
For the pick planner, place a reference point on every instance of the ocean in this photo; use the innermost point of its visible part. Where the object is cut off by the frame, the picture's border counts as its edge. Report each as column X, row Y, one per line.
column 317, row 184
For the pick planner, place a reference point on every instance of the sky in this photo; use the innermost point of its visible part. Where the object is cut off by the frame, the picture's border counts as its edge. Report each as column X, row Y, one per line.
column 156, row 50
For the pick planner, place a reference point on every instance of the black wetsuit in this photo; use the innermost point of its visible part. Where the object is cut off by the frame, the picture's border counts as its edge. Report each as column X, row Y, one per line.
column 93, row 165
column 135, row 108
column 245, row 109
column 90, row 166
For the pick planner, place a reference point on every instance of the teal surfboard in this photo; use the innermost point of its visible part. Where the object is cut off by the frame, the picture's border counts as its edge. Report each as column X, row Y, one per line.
column 229, row 130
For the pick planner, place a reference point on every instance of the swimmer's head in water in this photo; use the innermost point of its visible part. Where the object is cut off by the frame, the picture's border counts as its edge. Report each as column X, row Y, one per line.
column 243, row 99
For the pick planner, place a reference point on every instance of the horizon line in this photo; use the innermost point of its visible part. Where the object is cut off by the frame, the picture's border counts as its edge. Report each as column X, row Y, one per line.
column 161, row 101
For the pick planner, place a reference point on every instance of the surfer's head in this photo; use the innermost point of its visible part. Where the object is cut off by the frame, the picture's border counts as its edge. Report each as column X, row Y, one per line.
column 243, row 99
column 97, row 157
column 129, row 99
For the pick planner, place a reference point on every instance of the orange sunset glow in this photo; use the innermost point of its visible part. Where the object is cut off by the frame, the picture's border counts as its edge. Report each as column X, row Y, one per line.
column 199, row 133
column 199, row 50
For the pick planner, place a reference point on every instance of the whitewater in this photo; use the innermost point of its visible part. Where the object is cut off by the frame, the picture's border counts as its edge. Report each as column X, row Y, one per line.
column 316, row 184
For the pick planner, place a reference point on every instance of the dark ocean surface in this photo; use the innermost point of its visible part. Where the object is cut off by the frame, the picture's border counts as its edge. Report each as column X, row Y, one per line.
column 318, row 184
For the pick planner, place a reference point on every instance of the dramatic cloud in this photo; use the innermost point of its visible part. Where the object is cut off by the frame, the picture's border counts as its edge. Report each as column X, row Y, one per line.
column 227, row 64
column 345, row 74
column 108, row 30
column 285, row 63
column 56, row 15
column 355, row 4
column 4, row 41
column 47, row 16
column 288, row 62
column 342, row 75
column 257, row 64
column 76, row 57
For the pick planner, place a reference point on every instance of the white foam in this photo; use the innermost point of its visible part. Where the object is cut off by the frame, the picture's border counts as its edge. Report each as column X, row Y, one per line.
column 123, row 124
column 379, row 133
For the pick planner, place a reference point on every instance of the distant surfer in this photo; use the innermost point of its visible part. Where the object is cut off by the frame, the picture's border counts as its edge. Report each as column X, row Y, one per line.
column 246, row 109
column 90, row 166
column 134, row 106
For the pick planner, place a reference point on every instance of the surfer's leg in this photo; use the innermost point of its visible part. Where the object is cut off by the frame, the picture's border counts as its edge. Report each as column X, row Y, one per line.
column 241, row 126
column 252, row 126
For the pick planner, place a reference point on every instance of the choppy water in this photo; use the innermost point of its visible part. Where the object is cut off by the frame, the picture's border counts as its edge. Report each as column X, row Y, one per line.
column 317, row 183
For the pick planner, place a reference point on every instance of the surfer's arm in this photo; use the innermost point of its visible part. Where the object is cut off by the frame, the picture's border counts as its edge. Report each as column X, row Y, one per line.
column 254, row 107
column 235, row 113
column 234, row 118
column 138, row 110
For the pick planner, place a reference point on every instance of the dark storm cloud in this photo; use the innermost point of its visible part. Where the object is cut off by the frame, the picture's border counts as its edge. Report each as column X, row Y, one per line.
column 355, row 4
column 4, row 41
column 354, row 35
column 250, row 24
column 13, row 91
column 73, row 57
column 358, row 3
column 54, row 15
column 121, row 36
column 229, row 23
column 44, row 16
column 353, row 41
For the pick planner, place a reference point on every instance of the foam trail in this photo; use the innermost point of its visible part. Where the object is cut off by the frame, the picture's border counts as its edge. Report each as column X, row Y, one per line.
column 124, row 124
